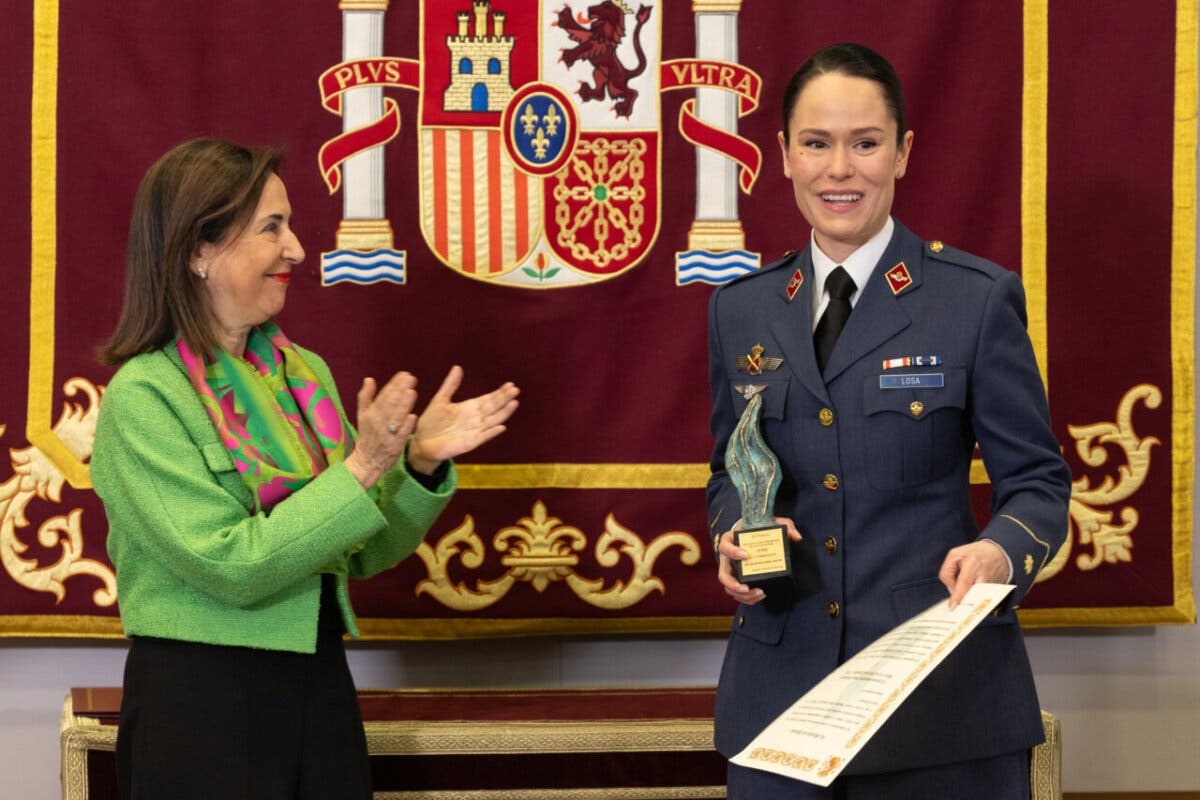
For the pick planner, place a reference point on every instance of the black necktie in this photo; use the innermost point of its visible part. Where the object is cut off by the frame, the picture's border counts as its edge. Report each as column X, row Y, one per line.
column 840, row 286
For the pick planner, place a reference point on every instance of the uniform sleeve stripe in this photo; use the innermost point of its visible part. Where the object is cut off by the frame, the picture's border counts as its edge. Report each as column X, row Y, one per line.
column 1033, row 536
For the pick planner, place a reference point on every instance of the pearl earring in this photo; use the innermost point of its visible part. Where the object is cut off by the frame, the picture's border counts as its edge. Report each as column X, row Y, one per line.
column 203, row 274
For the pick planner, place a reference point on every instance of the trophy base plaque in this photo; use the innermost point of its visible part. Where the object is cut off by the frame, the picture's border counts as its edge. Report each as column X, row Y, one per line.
column 768, row 555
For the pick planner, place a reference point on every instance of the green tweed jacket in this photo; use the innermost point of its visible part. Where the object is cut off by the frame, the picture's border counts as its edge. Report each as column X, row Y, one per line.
column 194, row 561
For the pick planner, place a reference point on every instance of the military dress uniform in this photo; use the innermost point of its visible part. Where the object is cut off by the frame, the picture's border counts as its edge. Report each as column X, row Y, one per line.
column 875, row 457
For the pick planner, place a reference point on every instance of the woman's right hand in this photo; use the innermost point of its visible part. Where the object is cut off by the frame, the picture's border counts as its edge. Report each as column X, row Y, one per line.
column 385, row 420
column 730, row 552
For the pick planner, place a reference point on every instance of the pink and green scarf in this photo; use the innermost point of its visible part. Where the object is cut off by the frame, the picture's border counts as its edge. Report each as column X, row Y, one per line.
column 280, row 425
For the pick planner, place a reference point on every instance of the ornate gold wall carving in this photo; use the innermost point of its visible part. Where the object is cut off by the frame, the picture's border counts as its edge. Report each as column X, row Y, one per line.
column 540, row 550
column 1090, row 523
column 36, row 476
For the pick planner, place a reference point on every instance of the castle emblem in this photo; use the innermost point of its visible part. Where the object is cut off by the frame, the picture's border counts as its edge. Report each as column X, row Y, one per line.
column 479, row 62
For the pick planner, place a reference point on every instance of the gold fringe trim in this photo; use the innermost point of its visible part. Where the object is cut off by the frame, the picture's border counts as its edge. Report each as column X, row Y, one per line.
column 408, row 737
column 1034, row 101
column 43, row 201
column 1045, row 760
column 376, row 628
column 582, row 476
column 1183, row 288
column 1094, row 617
column 67, row 626
column 77, row 737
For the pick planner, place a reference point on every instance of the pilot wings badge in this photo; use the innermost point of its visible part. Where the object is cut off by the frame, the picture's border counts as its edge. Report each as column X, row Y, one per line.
column 756, row 363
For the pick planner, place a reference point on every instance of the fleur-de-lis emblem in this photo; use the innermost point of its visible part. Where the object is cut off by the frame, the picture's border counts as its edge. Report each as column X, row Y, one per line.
column 551, row 120
column 530, row 118
column 540, row 143
column 541, row 549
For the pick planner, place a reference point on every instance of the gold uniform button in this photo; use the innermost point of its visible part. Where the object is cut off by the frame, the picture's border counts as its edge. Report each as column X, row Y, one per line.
column 916, row 407
column 826, row 417
column 935, row 246
column 831, row 482
column 834, row 609
column 831, row 544
column 741, row 621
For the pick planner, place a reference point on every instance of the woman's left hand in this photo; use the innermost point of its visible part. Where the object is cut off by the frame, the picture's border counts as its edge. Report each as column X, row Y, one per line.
column 447, row 429
column 978, row 562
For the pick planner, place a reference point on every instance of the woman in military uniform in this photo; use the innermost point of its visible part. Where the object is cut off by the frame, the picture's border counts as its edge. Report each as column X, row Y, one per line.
column 893, row 358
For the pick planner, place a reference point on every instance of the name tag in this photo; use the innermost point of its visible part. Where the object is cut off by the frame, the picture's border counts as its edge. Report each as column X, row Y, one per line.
column 926, row 380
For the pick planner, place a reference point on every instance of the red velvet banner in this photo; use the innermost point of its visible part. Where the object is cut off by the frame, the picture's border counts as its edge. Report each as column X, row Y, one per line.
column 556, row 215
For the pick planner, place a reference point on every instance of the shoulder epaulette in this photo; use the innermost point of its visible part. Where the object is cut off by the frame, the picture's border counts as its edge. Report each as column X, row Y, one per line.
column 939, row 251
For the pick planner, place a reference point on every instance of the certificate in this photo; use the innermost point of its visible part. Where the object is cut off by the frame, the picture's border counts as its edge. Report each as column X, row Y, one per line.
column 817, row 737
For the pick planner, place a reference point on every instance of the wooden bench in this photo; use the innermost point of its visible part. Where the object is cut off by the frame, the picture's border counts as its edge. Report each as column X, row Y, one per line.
column 500, row 744
column 589, row 744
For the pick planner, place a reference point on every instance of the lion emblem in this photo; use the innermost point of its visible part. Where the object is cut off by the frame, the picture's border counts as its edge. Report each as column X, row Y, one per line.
column 598, row 36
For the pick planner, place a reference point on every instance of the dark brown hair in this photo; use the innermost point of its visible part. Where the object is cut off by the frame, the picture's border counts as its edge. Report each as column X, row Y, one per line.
column 201, row 191
column 856, row 61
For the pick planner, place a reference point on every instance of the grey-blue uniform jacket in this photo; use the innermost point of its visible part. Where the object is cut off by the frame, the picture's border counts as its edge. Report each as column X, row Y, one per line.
column 876, row 480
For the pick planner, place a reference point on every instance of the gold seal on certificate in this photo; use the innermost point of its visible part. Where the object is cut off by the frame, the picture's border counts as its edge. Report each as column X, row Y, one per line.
column 754, row 470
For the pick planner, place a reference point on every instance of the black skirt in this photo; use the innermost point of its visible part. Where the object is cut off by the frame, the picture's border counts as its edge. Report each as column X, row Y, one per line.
column 211, row 721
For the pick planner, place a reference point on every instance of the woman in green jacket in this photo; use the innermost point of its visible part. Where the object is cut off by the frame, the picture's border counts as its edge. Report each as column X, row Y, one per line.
column 240, row 499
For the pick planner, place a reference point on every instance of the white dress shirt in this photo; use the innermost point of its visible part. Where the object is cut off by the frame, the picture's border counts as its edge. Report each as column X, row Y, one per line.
column 860, row 265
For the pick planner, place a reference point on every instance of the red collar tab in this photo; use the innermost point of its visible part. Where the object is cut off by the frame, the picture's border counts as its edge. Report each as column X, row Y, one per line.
column 898, row 278
column 795, row 283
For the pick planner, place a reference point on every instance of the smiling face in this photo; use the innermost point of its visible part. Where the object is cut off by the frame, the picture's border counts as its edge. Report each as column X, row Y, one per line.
column 843, row 158
column 248, row 274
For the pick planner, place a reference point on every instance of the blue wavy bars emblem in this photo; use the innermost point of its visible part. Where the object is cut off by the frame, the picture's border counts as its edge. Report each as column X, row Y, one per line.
column 362, row 267
column 715, row 268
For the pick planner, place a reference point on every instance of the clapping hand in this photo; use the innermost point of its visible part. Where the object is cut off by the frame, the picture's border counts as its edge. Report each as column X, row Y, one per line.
column 385, row 420
column 448, row 429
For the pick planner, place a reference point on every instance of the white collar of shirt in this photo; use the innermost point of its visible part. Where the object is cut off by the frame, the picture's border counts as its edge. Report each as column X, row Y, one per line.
column 860, row 265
